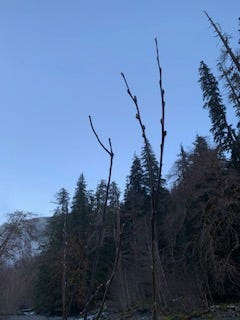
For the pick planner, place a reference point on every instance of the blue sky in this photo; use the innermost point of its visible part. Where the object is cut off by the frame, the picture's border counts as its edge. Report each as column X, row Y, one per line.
column 61, row 61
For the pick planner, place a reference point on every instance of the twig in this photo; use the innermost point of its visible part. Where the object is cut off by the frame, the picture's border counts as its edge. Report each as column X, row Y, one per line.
column 109, row 151
column 162, row 121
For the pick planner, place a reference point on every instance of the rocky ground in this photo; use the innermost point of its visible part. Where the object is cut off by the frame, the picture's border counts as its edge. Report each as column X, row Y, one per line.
column 223, row 312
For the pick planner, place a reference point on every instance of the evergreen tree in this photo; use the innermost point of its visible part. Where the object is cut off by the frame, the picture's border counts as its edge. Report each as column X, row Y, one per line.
column 50, row 273
column 222, row 132
column 135, row 216
column 181, row 165
column 63, row 200
column 100, row 196
column 114, row 195
column 136, row 180
column 149, row 165
column 136, row 198
column 107, row 246
column 79, row 233
column 79, row 217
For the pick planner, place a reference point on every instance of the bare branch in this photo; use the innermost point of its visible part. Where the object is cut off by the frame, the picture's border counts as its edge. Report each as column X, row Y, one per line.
column 110, row 152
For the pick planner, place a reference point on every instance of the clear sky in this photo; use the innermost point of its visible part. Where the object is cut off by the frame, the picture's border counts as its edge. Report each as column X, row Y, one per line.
column 60, row 60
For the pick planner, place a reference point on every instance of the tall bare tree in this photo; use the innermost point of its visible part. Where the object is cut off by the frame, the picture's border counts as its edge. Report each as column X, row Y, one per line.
column 155, row 186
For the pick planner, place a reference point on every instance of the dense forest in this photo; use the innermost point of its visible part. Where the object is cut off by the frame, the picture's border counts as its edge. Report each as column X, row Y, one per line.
column 177, row 248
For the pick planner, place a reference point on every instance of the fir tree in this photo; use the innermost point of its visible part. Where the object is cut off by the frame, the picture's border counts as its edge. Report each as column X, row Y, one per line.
column 100, row 196
column 222, row 132
column 136, row 187
column 149, row 164
column 79, row 230
column 49, row 288
column 79, row 218
column 181, row 165
column 135, row 216
column 136, row 177
column 114, row 195
column 63, row 200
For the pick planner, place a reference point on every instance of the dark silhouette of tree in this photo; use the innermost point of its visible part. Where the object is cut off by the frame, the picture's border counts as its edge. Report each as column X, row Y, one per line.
column 222, row 132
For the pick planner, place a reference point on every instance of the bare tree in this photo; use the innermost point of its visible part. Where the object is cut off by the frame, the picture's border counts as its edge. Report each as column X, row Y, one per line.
column 16, row 261
column 155, row 186
column 16, row 235
column 103, row 217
